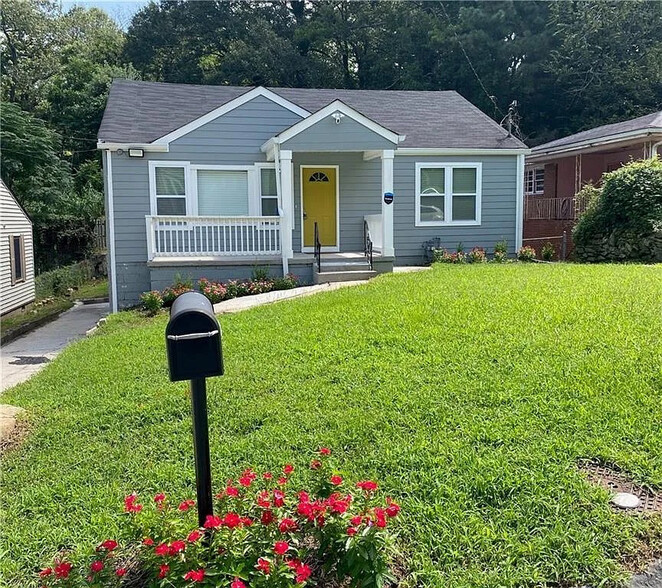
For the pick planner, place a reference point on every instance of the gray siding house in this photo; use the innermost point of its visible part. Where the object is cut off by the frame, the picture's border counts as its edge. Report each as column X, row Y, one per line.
column 214, row 181
column 17, row 288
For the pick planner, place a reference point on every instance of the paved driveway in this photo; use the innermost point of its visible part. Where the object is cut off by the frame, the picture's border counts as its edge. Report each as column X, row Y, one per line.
column 26, row 355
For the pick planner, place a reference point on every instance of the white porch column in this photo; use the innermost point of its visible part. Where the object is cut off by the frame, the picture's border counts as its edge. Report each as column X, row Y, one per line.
column 287, row 203
column 387, row 209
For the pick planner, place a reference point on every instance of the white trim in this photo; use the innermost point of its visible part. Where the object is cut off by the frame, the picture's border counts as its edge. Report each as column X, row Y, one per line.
column 534, row 168
column 540, row 151
column 190, row 195
column 335, row 249
column 259, row 166
column 285, row 180
column 227, row 107
column 441, row 151
column 111, row 231
column 335, row 106
column 654, row 148
column 448, row 193
column 519, row 206
column 387, row 248
column 147, row 147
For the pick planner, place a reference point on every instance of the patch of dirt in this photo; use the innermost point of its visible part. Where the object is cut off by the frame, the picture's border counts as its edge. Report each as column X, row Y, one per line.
column 612, row 478
column 14, row 438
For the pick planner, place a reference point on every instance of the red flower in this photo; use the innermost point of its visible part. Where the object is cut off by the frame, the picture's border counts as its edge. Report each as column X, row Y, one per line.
column 305, row 509
column 96, row 565
column 263, row 499
column 120, row 572
column 193, row 536
column 183, row 506
column 231, row 520
column 108, row 545
column 337, row 503
column 351, row 531
column 213, row 522
column 45, row 572
column 246, row 521
column 325, row 451
column 148, row 541
column 279, row 498
column 303, row 572
column 367, row 485
column 336, row 480
column 162, row 550
column 163, row 571
column 267, row 517
column 264, row 566
column 247, row 477
column 380, row 517
column 393, row 509
column 356, row 520
column 63, row 569
column 195, row 575
column 281, row 547
column 282, row 481
column 130, row 504
column 237, row 583
column 267, row 475
column 177, row 546
column 288, row 469
column 231, row 490
column 159, row 498
column 287, row 526
column 316, row 464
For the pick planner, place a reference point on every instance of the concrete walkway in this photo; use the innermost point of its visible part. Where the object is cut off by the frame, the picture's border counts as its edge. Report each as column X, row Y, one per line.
column 246, row 302
column 25, row 356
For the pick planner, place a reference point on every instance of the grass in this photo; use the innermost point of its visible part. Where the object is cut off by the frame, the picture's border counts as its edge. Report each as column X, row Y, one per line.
column 468, row 392
column 92, row 289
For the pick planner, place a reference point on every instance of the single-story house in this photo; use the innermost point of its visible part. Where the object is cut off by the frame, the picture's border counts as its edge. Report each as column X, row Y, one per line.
column 557, row 170
column 17, row 288
column 214, row 181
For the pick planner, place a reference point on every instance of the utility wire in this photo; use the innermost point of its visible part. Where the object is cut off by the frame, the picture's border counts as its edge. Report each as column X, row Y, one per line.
column 473, row 69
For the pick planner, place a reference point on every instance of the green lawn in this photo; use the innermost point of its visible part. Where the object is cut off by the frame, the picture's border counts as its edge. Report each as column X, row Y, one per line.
column 468, row 392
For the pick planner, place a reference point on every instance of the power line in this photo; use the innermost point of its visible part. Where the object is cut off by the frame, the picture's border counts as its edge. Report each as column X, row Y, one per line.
column 473, row 69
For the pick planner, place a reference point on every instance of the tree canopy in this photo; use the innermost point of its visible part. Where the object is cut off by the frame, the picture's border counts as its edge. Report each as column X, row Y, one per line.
column 569, row 65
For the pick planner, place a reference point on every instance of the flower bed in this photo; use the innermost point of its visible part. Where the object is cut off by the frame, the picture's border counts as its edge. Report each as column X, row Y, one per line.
column 264, row 533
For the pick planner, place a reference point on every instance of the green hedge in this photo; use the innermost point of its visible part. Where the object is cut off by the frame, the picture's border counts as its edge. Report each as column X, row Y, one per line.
column 624, row 219
column 57, row 282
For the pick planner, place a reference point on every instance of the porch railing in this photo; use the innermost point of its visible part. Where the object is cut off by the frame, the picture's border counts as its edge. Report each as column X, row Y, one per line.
column 374, row 227
column 537, row 208
column 212, row 236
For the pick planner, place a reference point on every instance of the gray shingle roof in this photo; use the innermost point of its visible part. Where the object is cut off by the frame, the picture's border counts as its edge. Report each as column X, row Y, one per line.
column 141, row 112
column 648, row 121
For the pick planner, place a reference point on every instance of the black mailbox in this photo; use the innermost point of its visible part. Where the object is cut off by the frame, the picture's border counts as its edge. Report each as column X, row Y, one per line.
column 193, row 338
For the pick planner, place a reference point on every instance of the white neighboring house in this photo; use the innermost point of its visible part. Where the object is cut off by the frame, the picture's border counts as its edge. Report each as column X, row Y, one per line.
column 17, row 287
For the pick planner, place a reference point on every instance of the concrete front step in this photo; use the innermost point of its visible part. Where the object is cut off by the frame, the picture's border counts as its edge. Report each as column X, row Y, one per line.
column 342, row 276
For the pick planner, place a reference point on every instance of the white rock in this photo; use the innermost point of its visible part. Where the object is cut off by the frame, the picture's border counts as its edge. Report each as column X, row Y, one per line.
column 625, row 500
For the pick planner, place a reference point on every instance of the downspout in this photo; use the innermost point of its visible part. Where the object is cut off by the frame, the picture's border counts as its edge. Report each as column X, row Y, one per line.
column 111, row 232
column 281, row 212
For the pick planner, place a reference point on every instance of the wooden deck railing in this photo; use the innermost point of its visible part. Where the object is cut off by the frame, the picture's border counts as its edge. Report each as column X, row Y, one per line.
column 536, row 208
column 213, row 236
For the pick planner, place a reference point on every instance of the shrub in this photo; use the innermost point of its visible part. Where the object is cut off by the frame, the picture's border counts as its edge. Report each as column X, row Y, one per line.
column 547, row 252
column 500, row 252
column 526, row 253
column 58, row 282
column 214, row 291
column 624, row 220
column 477, row 255
column 171, row 292
column 260, row 274
column 443, row 256
column 152, row 302
column 286, row 282
column 263, row 534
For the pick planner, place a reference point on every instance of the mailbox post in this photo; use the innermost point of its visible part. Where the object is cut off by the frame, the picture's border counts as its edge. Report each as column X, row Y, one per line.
column 193, row 343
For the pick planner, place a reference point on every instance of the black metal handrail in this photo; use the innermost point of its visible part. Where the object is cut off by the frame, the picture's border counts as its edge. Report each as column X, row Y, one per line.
column 367, row 244
column 318, row 250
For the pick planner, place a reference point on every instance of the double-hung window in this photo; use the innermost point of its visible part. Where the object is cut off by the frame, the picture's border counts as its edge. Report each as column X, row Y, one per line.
column 169, row 188
column 17, row 258
column 448, row 194
column 534, row 180
column 268, row 192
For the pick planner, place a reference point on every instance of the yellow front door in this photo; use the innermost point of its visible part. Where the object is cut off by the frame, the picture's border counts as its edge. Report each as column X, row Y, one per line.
column 319, row 205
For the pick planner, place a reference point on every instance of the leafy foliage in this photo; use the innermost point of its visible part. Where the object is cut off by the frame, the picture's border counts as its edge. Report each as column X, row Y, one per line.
column 627, row 210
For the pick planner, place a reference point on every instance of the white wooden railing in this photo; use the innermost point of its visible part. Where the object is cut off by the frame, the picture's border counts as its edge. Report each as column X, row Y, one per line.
column 375, row 227
column 212, row 236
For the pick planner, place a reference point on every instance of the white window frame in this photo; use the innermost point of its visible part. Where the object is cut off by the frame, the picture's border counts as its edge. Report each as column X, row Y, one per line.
column 448, row 193
column 254, row 205
column 533, row 170
column 191, row 203
column 258, row 181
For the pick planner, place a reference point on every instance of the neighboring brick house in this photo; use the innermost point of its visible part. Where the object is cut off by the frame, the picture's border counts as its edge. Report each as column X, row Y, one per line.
column 557, row 170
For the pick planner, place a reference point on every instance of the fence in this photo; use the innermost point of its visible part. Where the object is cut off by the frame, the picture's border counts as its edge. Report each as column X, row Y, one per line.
column 536, row 208
column 99, row 239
